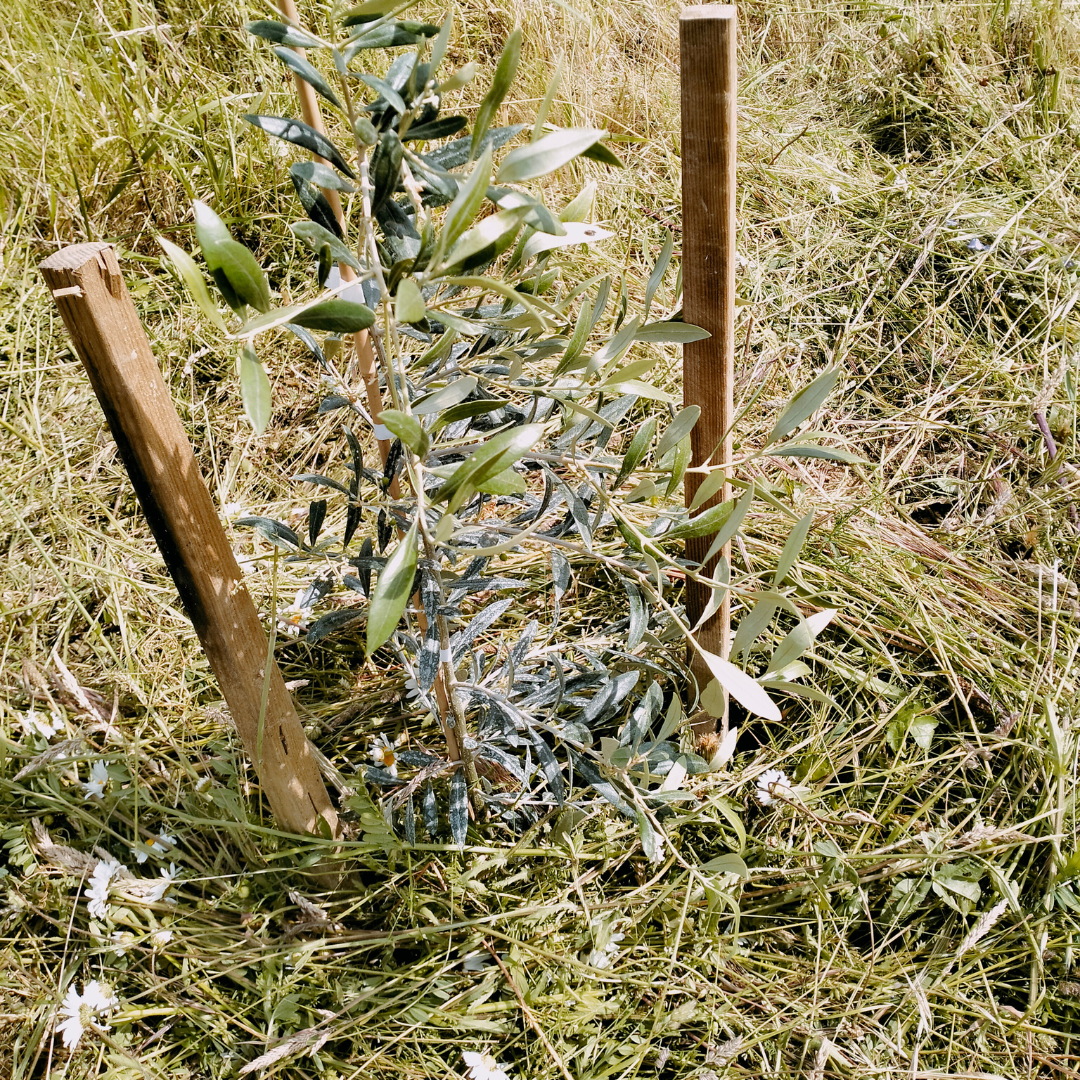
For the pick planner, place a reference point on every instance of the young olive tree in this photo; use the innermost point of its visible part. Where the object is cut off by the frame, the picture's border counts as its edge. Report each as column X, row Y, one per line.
column 507, row 382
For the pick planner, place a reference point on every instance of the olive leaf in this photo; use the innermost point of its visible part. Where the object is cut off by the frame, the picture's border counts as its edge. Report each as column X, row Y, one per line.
column 547, row 154
column 297, row 64
column 189, row 274
column 392, row 591
column 500, row 85
column 299, row 134
column 254, row 390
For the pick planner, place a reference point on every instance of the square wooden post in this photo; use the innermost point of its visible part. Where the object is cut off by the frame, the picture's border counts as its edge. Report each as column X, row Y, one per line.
column 708, row 73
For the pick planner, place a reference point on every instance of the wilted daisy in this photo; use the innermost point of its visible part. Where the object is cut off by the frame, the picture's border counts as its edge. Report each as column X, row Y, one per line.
column 601, row 958
column 94, row 788
column 160, row 938
column 771, row 785
column 97, row 891
column 483, row 1066
column 158, row 890
column 122, row 941
column 384, row 754
column 78, row 1010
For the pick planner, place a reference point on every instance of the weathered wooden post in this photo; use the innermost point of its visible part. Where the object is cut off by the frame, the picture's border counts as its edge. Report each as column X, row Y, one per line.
column 707, row 38
column 97, row 310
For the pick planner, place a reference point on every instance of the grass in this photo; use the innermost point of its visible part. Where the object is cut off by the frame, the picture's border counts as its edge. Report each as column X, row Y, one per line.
column 907, row 209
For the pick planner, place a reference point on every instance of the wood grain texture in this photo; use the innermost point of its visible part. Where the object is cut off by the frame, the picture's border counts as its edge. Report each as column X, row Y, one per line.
column 89, row 292
column 707, row 39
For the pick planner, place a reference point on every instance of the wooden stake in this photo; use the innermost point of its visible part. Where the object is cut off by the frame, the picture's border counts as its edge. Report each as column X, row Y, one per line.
column 707, row 37
column 97, row 310
column 310, row 111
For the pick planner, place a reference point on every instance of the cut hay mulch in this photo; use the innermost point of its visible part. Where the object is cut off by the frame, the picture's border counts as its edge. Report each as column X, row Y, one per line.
column 908, row 211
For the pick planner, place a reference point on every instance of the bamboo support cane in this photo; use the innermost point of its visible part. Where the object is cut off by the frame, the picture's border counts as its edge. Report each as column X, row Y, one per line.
column 312, row 114
column 708, row 73
column 89, row 291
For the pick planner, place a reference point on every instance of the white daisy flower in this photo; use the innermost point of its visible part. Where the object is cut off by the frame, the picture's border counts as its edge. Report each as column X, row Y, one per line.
column 294, row 619
column 159, row 846
column 94, row 788
column 97, row 892
column 77, row 1011
column 35, row 723
column 384, row 755
column 771, row 785
column 233, row 509
column 483, row 1066
column 160, row 938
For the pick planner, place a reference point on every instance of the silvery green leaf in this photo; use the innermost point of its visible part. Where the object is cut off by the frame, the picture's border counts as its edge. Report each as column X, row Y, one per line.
column 639, row 618
column 483, row 243
column 740, row 686
column 299, row 134
column 380, row 86
column 254, row 390
column 652, row 843
column 658, row 271
column 639, row 446
column 642, row 717
column 278, row 534
column 459, row 808
column 809, row 450
column 560, row 572
column 547, row 154
column 792, row 547
column 451, row 394
column 673, row 330
column 193, row 280
column 574, row 232
column 500, row 85
column 805, row 403
column 409, row 815
column 591, row 775
column 296, row 63
column 480, row 622
column 678, row 429
column 731, row 526
column 315, row 172
column 754, row 623
column 455, row 154
column 493, row 457
column 408, row 430
column 799, row 639
column 336, row 317
column 392, row 592
column 278, row 32
column 430, row 809
column 550, row 767
column 437, row 129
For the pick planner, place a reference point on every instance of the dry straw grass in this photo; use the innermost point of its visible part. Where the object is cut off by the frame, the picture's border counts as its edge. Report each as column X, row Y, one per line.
column 907, row 208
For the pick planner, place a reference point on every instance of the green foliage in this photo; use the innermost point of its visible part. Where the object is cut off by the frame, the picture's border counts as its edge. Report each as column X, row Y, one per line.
column 507, row 403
